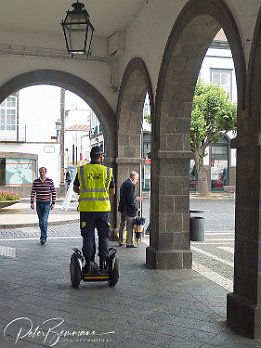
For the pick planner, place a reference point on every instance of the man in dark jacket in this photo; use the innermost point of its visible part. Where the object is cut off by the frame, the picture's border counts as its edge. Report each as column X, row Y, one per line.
column 128, row 208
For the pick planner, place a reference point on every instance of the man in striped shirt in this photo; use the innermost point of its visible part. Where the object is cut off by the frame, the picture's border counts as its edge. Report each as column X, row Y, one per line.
column 43, row 191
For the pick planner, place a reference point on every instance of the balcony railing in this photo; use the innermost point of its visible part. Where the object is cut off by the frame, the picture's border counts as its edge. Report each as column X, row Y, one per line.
column 13, row 133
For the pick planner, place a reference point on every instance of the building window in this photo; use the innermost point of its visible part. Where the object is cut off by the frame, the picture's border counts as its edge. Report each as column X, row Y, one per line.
column 222, row 78
column 8, row 113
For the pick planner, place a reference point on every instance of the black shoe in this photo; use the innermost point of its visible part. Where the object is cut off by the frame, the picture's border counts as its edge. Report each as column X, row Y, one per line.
column 121, row 244
column 42, row 241
column 87, row 267
column 94, row 268
column 131, row 246
column 102, row 266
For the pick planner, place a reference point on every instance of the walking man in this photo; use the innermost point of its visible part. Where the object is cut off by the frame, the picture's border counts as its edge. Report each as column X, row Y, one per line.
column 43, row 191
column 68, row 179
column 128, row 208
column 95, row 184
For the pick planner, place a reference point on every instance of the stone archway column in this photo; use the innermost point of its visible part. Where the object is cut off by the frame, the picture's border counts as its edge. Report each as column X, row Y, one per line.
column 244, row 303
column 169, row 238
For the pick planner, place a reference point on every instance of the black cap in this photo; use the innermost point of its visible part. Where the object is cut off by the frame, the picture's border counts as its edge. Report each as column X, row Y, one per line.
column 96, row 150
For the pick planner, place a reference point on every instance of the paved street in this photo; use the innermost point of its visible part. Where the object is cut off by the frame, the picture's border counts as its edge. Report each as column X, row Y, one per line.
column 148, row 308
column 219, row 213
column 212, row 258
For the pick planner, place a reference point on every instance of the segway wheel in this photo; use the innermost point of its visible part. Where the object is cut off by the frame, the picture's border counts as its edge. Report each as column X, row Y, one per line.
column 75, row 272
column 114, row 273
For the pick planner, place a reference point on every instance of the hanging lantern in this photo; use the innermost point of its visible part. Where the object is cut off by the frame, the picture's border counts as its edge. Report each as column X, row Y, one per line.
column 78, row 30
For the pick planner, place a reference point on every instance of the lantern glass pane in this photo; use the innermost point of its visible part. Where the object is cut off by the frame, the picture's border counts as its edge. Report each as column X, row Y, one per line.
column 79, row 18
column 76, row 40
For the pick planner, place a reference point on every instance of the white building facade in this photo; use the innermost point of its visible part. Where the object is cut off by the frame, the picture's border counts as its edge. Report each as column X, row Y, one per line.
column 28, row 135
column 30, row 138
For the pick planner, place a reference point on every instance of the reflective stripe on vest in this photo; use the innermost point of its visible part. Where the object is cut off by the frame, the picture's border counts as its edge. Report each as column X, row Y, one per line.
column 94, row 188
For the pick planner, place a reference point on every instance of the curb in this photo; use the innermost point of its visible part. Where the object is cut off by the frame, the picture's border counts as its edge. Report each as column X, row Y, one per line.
column 35, row 224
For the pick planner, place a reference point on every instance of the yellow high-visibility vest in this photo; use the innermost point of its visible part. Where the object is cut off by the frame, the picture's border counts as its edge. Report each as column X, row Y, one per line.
column 94, row 188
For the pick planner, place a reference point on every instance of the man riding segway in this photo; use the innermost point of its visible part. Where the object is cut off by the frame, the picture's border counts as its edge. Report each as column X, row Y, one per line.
column 95, row 184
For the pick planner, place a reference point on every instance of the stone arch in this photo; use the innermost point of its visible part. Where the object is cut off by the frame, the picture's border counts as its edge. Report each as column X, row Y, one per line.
column 76, row 85
column 191, row 35
column 135, row 84
column 187, row 44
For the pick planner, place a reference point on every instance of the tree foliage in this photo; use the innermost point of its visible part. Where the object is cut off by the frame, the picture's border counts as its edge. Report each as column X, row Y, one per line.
column 148, row 118
column 213, row 115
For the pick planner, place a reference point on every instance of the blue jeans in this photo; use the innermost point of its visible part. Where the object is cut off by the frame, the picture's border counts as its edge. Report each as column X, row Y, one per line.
column 43, row 210
column 88, row 222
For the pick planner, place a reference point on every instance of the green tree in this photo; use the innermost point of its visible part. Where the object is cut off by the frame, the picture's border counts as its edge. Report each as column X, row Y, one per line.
column 148, row 118
column 213, row 115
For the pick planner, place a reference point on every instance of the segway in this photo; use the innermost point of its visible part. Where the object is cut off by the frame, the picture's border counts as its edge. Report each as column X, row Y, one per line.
column 110, row 272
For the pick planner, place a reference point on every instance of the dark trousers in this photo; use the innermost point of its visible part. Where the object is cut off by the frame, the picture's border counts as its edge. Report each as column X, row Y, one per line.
column 88, row 222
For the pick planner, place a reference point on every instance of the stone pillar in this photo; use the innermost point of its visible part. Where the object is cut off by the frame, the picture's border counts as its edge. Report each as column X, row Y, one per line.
column 244, row 303
column 169, row 238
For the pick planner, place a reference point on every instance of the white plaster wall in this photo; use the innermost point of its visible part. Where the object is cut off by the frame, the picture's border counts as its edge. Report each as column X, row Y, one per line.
column 245, row 13
column 148, row 34
column 96, row 72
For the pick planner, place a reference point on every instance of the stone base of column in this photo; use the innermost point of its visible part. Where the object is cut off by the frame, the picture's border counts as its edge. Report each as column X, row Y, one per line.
column 243, row 317
column 168, row 259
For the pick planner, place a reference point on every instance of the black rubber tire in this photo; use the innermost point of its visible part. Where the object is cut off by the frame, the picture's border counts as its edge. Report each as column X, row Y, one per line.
column 114, row 273
column 75, row 272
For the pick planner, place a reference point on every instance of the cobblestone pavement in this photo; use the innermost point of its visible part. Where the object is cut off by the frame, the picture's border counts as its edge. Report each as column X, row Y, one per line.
column 147, row 308
column 63, row 230
column 21, row 214
column 213, row 258
column 219, row 214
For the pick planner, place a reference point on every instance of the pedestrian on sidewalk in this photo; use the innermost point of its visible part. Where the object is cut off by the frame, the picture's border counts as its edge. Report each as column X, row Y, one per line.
column 44, row 193
column 68, row 179
column 128, row 208
column 95, row 184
